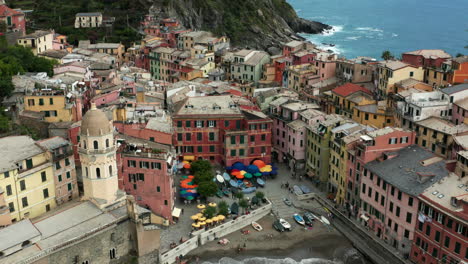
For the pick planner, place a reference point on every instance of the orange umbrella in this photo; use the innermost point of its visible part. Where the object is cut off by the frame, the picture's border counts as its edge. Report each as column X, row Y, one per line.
column 191, row 177
column 240, row 176
column 259, row 163
column 186, row 166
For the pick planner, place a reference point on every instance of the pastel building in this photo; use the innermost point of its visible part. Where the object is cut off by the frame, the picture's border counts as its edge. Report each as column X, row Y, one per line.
column 369, row 148
column 346, row 97
column 426, row 58
column 393, row 71
column 460, row 111
column 390, row 187
column 88, row 20
column 144, row 172
column 247, row 65
column 26, row 177
column 38, row 42
column 66, row 186
column 14, row 20
column 459, row 72
column 55, row 106
column 358, row 70
column 442, row 226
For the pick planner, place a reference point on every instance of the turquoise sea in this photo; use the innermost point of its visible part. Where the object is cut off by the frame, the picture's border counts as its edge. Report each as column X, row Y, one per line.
column 368, row 27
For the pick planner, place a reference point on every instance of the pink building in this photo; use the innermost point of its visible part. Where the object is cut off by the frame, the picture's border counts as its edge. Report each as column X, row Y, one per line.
column 370, row 148
column 289, row 130
column 390, row 189
column 325, row 64
column 66, row 185
column 155, row 130
column 460, row 111
column 106, row 97
column 14, row 20
column 303, row 57
column 144, row 172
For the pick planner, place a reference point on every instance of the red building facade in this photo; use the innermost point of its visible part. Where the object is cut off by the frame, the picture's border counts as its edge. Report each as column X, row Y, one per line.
column 14, row 20
column 215, row 128
column 426, row 58
column 144, row 173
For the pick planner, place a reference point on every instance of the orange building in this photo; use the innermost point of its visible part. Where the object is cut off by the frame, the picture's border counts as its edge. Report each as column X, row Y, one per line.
column 460, row 70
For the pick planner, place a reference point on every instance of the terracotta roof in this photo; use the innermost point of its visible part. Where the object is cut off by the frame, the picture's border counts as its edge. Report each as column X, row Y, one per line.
column 6, row 11
column 349, row 88
column 429, row 53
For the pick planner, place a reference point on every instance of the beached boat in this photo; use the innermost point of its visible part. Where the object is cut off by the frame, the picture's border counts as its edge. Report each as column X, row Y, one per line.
column 247, row 183
column 233, row 183
column 249, row 190
column 261, row 182
column 219, row 193
column 257, row 226
column 226, row 177
column 325, row 220
column 285, row 224
column 297, row 190
column 219, row 178
column 305, row 189
column 299, row 219
column 226, row 192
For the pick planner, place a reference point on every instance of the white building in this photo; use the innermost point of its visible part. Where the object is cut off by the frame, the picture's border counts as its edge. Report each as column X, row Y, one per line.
column 88, row 20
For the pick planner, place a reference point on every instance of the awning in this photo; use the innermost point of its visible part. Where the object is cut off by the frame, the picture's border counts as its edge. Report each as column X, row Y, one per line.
column 176, row 212
column 189, row 157
column 364, row 217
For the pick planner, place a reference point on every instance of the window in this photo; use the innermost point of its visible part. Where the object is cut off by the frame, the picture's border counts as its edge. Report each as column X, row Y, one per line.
column 8, row 190
column 69, row 187
column 457, row 247
column 98, row 173
column 449, row 223
column 179, row 136
column 241, row 152
column 67, row 162
column 395, row 227
column 7, row 174
column 399, row 195
column 188, row 136
column 95, row 144
column 410, row 201
column 435, row 253
column 45, row 192
column 179, row 123
column 233, row 152
column 112, row 253
column 41, row 101
column 397, row 211
column 406, row 233
column 391, row 207
column 24, row 201
column 131, row 163
column 212, row 148
column 29, row 163
column 392, row 191
column 409, row 217
column 12, row 207
column 211, row 123
column 447, row 242
column 200, row 136
column 22, row 185
column 158, row 189
column 188, row 123
column 199, row 124
column 437, row 236
column 241, row 139
column 233, row 140
column 226, row 123
column 199, row 149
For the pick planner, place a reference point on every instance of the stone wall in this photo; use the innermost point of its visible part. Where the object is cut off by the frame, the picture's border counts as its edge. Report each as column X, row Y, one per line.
column 204, row 237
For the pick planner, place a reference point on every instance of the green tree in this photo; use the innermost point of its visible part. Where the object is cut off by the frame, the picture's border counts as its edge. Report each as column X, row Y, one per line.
column 387, row 55
column 210, row 212
column 260, row 195
column 4, row 121
column 244, row 204
column 203, row 176
column 207, row 189
column 240, row 195
column 3, row 27
column 201, row 165
column 460, row 54
column 223, row 208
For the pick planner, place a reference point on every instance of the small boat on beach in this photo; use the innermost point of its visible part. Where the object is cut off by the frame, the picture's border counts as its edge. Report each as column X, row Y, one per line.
column 249, row 190
column 325, row 220
column 261, row 182
column 285, row 224
column 219, row 178
column 219, row 193
column 297, row 190
column 226, row 192
column 305, row 189
column 299, row 219
column 257, row 226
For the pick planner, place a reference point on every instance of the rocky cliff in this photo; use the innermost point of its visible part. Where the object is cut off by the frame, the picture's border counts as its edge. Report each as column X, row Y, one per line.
column 259, row 24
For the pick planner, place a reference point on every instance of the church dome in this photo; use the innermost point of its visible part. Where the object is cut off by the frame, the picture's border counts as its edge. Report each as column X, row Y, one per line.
column 95, row 123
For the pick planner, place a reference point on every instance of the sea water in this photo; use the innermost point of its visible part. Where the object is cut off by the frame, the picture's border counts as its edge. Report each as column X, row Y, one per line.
column 368, row 27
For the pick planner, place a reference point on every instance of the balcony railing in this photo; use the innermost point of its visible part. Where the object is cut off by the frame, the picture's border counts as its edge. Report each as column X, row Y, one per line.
column 96, row 151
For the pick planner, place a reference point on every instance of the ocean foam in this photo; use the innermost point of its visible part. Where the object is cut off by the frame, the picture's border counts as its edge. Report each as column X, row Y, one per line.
column 332, row 31
column 353, row 38
column 369, row 29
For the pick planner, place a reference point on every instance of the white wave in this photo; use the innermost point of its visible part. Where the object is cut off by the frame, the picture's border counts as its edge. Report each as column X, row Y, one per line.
column 260, row 260
column 369, row 29
column 394, row 35
column 332, row 31
column 298, row 10
column 353, row 38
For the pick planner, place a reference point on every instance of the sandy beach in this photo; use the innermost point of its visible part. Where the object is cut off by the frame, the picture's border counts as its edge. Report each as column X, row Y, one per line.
column 319, row 241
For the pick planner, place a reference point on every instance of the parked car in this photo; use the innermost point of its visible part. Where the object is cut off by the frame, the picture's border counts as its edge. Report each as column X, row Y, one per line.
column 287, row 201
column 278, row 226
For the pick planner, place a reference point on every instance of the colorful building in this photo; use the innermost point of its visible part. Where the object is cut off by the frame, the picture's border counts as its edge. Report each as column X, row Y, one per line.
column 369, row 148
column 38, row 42
column 66, row 186
column 215, row 128
column 426, row 58
column 390, row 188
column 377, row 115
column 14, row 20
column 442, row 226
column 358, row 70
column 459, row 72
column 460, row 111
column 144, row 172
column 54, row 104
column 346, row 97
column 393, row 71
column 247, row 65
column 27, row 177
column 88, row 20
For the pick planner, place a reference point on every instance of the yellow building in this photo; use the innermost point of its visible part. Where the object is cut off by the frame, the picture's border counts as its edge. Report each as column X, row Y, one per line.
column 297, row 76
column 344, row 105
column 27, row 176
column 393, row 71
column 38, row 41
column 437, row 77
column 377, row 115
column 53, row 104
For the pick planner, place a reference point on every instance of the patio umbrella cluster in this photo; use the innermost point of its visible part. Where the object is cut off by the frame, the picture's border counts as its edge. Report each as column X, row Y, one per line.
column 188, row 190
column 200, row 220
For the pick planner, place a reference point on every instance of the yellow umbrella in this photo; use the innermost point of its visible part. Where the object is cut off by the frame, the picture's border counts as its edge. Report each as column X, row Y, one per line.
column 201, row 223
column 209, row 221
column 215, row 219
column 201, row 206
column 202, row 218
column 199, row 215
column 221, row 217
column 194, row 217
column 212, row 204
column 195, row 225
